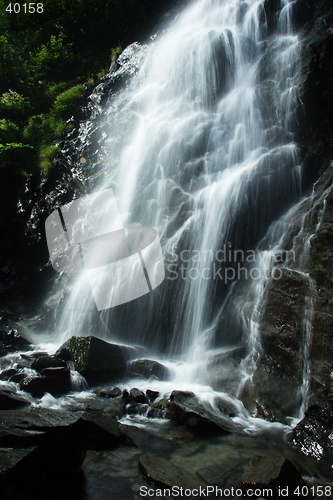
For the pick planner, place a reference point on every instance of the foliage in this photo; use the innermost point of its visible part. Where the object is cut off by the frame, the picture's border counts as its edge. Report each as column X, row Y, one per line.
column 13, row 105
column 115, row 51
column 67, row 102
column 46, row 155
column 8, row 131
column 44, row 60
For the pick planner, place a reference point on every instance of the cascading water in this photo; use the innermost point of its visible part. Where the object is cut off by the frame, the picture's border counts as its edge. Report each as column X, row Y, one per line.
column 201, row 147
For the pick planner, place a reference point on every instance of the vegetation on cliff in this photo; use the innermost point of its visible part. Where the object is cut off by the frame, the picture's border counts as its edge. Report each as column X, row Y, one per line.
column 46, row 55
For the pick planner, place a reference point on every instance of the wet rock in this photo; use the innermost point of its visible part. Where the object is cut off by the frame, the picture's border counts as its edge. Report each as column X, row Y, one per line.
column 8, row 388
column 34, row 355
column 160, row 409
column 7, row 374
column 226, row 406
column 136, row 435
column 313, row 436
column 119, row 405
column 96, row 359
column 137, row 395
column 165, row 474
column 236, row 353
column 186, row 407
column 276, row 383
column 11, row 341
column 108, row 393
column 9, row 457
column 10, row 401
column 37, row 387
column 136, row 408
column 52, row 464
column 27, row 426
column 274, row 472
column 101, row 430
column 57, row 371
column 115, row 407
column 149, row 368
column 215, row 475
column 18, row 377
column 152, row 395
column 47, row 362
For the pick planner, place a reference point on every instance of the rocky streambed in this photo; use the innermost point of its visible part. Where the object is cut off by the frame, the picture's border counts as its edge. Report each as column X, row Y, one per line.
column 73, row 424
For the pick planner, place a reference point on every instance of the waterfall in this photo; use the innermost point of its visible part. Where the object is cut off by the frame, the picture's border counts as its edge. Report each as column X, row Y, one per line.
column 200, row 146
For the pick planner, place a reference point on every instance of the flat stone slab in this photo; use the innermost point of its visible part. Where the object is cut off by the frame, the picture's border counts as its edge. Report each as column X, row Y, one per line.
column 165, row 474
column 186, row 407
column 274, row 472
column 10, row 401
column 27, row 426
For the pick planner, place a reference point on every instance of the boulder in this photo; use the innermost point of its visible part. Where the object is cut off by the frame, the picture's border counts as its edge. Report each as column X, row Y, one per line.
column 56, row 371
column 137, row 395
column 164, row 473
column 18, row 377
column 152, row 395
column 9, row 457
column 30, row 356
column 218, row 476
column 101, row 430
column 115, row 407
column 37, row 387
column 136, row 408
column 47, row 362
column 8, row 388
column 9, row 401
column 185, row 407
column 11, row 341
column 226, row 406
column 27, row 426
column 313, row 437
column 7, row 374
column 136, row 435
column 49, row 466
column 149, row 368
column 160, row 409
column 273, row 472
column 109, row 393
column 96, row 359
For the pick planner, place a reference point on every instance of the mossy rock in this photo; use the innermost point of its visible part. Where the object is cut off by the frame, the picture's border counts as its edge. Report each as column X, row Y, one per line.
column 91, row 355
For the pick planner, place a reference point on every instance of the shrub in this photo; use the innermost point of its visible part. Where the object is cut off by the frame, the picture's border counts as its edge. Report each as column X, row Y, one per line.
column 46, row 154
column 38, row 130
column 9, row 132
column 67, row 102
column 13, row 104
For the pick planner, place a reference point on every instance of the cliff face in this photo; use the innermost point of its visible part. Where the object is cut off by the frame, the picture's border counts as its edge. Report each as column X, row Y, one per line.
column 275, row 392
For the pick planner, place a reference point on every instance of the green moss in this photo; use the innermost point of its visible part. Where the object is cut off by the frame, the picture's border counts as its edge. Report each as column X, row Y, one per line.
column 67, row 102
column 46, row 155
column 115, row 51
column 79, row 349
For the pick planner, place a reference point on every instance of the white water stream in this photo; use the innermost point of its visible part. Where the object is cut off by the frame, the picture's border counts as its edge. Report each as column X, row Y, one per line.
column 201, row 148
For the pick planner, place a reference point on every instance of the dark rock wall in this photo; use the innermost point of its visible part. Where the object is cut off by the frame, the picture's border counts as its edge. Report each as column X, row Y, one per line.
column 275, row 390
column 315, row 23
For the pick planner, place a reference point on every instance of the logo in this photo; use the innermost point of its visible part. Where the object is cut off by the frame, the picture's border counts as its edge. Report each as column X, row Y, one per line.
column 121, row 263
